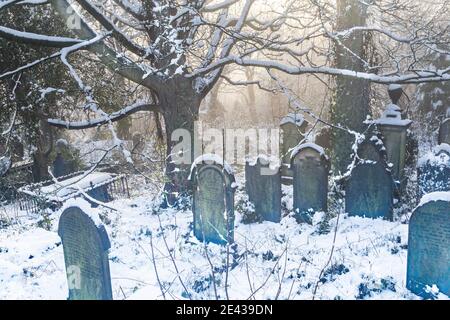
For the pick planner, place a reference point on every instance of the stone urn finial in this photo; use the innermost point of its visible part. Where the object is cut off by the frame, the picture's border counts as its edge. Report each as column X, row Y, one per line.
column 395, row 92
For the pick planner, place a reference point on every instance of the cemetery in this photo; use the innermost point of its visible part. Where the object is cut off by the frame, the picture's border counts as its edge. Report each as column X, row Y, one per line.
column 218, row 156
column 82, row 256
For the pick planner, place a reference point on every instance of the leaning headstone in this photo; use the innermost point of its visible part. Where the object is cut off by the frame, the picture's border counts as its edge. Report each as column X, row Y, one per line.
column 311, row 167
column 263, row 184
column 444, row 131
column 213, row 207
column 434, row 170
column 429, row 246
column 369, row 189
column 85, row 243
column 292, row 128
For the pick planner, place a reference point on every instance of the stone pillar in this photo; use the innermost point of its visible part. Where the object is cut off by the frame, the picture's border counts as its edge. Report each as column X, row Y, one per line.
column 292, row 127
column 394, row 129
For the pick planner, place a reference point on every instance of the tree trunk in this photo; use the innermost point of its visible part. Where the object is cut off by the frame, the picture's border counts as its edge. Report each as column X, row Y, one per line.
column 180, row 106
column 351, row 100
column 44, row 146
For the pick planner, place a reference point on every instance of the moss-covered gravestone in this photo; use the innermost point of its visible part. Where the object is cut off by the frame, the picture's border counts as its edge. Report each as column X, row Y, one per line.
column 369, row 189
column 444, row 131
column 311, row 167
column 263, row 184
column 429, row 245
column 434, row 170
column 213, row 206
column 292, row 128
column 64, row 162
column 85, row 245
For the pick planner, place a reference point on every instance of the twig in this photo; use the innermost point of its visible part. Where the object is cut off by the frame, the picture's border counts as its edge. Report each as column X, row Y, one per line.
column 172, row 259
column 156, row 269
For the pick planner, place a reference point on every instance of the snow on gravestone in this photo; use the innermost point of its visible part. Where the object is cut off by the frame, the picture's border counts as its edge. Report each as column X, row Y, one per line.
column 434, row 170
column 85, row 245
column 369, row 189
column 444, row 131
column 429, row 245
column 263, row 184
column 213, row 207
column 311, row 167
column 292, row 128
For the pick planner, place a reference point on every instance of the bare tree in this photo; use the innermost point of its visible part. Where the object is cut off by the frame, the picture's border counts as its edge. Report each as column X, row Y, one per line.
column 177, row 50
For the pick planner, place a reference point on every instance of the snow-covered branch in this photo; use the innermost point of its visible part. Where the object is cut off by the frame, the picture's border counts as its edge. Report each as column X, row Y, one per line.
column 113, row 117
column 37, row 39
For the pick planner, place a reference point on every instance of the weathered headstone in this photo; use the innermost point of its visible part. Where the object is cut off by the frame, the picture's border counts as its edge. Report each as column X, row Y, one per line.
column 369, row 189
column 311, row 167
column 292, row 128
column 60, row 166
column 213, row 206
column 263, row 184
column 99, row 193
column 429, row 245
column 434, row 170
column 63, row 163
column 444, row 131
column 85, row 247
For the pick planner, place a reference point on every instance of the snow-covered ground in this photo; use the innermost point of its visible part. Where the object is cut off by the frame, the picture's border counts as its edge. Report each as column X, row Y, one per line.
column 268, row 261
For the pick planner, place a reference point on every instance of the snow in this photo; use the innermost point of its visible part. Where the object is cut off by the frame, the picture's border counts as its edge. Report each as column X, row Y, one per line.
column 435, row 196
column 394, row 86
column 92, row 213
column 69, row 188
column 392, row 116
column 368, row 262
column 210, row 158
column 439, row 155
column 294, row 118
column 310, row 145
column 38, row 37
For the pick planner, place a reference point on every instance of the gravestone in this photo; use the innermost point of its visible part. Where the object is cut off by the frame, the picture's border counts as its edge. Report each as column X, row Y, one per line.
column 429, row 245
column 99, row 193
column 434, row 170
column 444, row 132
column 60, row 166
column 310, row 166
column 263, row 184
column 64, row 162
column 86, row 256
column 213, row 202
column 292, row 128
column 369, row 189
